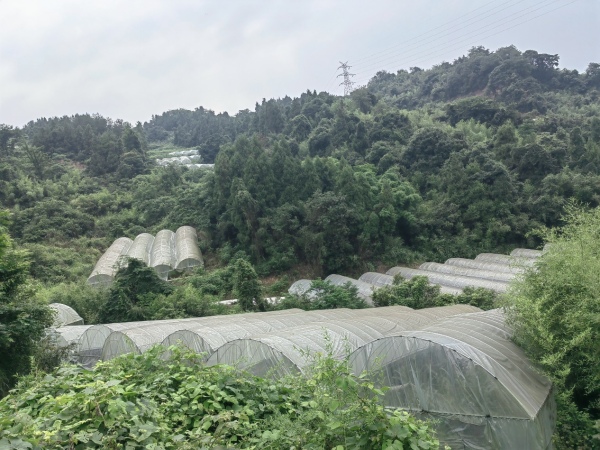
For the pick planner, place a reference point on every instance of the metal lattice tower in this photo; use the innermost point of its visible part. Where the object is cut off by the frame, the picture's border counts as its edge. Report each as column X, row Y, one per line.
column 347, row 83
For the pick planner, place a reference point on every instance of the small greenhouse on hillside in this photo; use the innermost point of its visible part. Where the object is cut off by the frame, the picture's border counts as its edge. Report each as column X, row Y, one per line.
column 162, row 255
column 381, row 280
column 288, row 351
column 65, row 315
column 107, row 266
column 465, row 373
column 467, row 272
column 483, row 265
column 365, row 290
column 453, row 281
column 511, row 261
column 166, row 252
column 140, row 249
column 300, row 287
column 186, row 248
column 526, row 253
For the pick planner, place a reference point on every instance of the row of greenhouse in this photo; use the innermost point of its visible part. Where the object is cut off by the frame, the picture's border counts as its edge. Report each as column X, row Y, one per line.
column 455, row 364
column 165, row 252
column 488, row 270
column 188, row 158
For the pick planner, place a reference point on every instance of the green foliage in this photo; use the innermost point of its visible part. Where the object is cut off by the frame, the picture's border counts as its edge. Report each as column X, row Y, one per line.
column 324, row 295
column 133, row 290
column 554, row 310
column 417, row 293
column 247, row 287
column 144, row 401
column 23, row 319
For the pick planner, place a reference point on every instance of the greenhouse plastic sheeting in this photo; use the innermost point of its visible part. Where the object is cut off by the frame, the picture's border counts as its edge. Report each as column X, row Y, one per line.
column 141, row 336
column 300, row 287
column 526, row 253
column 186, row 248
column 381, row 280
column 162, row 255
column 365, row 290
column 141, row 247
column 93, row 340
column 511, row 261
column 466, row 272
column 206, row 338
column 465, row 373
column 65, row 336
column 483, row 265
column 289, row 351
column 65, row 315
column 377, row 279
column 107, row 266
column 455, row 281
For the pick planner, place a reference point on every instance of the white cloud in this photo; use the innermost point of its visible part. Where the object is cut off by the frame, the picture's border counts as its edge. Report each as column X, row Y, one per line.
column 137, row 58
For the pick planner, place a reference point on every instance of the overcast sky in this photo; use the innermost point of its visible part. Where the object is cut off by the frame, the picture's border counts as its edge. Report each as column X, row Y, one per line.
column 131, row 59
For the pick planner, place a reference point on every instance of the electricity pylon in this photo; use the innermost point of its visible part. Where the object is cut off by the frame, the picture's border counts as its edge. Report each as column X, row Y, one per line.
column 347, row 83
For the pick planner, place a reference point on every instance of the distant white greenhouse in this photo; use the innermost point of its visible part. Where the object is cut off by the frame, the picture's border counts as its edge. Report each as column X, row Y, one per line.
column 453, row 281
column 165, row 253
column 483, row 265
column 64, row 315
column 467, row 272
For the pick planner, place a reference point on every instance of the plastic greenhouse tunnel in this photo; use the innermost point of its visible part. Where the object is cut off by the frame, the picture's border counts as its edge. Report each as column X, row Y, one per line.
column 467, row 375
column 289, row 351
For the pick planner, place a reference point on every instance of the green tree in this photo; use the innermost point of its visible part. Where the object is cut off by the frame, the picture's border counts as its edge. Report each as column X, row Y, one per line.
column 247, row 287
column 23, row 319
column 554, row 310
column 132, row 293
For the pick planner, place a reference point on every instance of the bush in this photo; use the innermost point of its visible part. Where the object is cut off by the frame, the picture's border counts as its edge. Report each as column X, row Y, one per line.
column 554, row 310
column 146, row 402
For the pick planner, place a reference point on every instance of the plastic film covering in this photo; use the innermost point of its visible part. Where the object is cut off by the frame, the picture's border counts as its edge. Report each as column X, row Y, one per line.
column 141, row 247
column 300, row 287
column 365, row 290
column 65, row 336
column 142, row 336
column 162, row 255
column 466, row 272
column 483, row 265
column 454, row 281
column 65, row 315
column 381, row 280
column 110, row 340
column 289, row 351
column 377, row 279
column 468, row 375
column 186, row 248
column 207, row 338
column 511, row 261
column 137, row 337
column 107, row 266
column 450, row 290
column 526, row 253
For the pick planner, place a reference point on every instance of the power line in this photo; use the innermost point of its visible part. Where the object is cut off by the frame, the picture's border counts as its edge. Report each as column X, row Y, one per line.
column 486, row 28
column 428, row 33
column 437, row 52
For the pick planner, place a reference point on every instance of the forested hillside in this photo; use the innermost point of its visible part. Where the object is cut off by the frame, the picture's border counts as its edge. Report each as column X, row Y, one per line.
column 465, row 157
